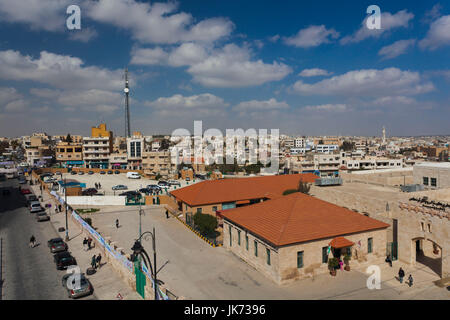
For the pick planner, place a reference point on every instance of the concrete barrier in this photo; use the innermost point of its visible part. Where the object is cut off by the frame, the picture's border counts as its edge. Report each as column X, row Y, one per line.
column 97, row 200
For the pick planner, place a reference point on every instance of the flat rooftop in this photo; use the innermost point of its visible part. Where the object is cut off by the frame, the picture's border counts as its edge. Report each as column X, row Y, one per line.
column 443, row 165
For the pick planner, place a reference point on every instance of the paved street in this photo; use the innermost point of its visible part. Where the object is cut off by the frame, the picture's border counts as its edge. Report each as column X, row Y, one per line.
column 199, row 271
column 28, row 273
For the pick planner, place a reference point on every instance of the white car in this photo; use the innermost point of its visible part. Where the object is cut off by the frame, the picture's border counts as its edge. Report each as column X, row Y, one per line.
column 35, row 207
column 120, row 187
column 133, row 175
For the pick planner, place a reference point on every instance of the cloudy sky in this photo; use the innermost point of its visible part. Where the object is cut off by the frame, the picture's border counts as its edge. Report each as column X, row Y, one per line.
column 304, row 67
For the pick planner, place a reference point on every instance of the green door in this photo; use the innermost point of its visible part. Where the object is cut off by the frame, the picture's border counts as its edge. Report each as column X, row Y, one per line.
column 140, row 279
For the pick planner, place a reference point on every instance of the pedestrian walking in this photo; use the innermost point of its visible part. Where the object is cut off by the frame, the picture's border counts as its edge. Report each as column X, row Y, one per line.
column 167, row 214
column 32, row 241
column 94, row 262
column 99, row 185
column 117, row 223
column 89, row 242
column 99, row 259
column 341, row 264
column 96, row 186
column 401, row 275
column 410, row 281
column 85, row 243
column 60, row 208
column 389, row 260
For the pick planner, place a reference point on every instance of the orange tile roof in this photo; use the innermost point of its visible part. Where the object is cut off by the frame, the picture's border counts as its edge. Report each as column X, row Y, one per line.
column 340, row 242
column 298, row 218
column 236, row 189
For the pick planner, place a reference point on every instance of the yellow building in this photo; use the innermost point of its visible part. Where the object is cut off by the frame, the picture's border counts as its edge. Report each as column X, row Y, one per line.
column 98, row 147
column 69, row 154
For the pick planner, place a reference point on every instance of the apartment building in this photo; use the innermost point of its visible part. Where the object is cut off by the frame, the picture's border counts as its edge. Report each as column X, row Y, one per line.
column 433, row 175
column 370, row 163
column 98, row 147
column 326, row 148
column 118, row 160
column 69, row 154
column 135, row 148
column 157, row 162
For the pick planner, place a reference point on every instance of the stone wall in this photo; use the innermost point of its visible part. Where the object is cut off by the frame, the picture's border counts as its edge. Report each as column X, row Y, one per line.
column 381, row 179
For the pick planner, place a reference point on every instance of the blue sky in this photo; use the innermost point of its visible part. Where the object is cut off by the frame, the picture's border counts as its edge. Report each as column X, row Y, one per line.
column 304, row 67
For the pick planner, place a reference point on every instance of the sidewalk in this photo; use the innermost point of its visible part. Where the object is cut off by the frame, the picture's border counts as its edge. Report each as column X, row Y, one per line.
column 107, row 284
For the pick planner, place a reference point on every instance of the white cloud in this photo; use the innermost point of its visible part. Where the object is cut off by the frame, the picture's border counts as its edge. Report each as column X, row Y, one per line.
column 312, row 36
column 17, row 105
column 438, row 35
column 49, row 15
column 397, row 48
column 367, row 82
column 187, row 54
column 92, row 97
column 255, row 105
column 84, row 35
column 388, row 22
column 314, row 72
column 327, row 108
column 147, row 56
column 394, row 100
column 45, row 92
column 57, row 70
column 432, row 14
column 157, row 23
column 8, row 95
column 274, row 38
column 232, row 66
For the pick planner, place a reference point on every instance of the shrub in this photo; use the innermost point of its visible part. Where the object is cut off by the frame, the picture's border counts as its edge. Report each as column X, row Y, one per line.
column 333, row 263
column 206, row 223
column 88, row 221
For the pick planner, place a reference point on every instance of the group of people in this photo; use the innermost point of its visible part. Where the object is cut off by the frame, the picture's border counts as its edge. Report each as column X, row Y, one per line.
column 96, row 261
column 98, row 185
column 87, row 243
column 401, row 275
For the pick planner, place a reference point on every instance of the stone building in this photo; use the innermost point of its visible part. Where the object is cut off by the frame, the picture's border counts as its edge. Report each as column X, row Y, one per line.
column 293, row 236
column 433, row 175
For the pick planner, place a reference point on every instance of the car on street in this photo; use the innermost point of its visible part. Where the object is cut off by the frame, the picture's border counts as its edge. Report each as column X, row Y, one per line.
column 174, row 183
column 42, row 216
column 58, row 173
column 163, row 183
column 25, row 191
column 57, row 245
column 80, row 173
column 80, row 286
column 63, row 260
column 31, row 198
column 154, row 187
column 117, row 172
column 22, row 180
column 35, row 206
column 102, row 172
column 130, row 194
column 73, row 172
column 89, row 192
column 110, row 172
column 145, row 190
column 91, row 172
column 120, row 187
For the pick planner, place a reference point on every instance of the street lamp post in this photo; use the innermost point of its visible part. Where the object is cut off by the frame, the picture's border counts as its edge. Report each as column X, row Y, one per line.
column 65, row 205
column 138, row 250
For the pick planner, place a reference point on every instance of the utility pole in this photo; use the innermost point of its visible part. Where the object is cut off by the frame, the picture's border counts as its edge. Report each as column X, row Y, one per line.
column 1, row 268
column 127, row 106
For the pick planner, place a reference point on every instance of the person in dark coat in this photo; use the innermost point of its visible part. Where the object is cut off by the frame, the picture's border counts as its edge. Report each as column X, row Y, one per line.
column 401, row 275
column 117, row 223
column 60, row 208
column 89, row 242
column 167, row 214
column 410, row 280
column 85, row 243
column 98, row 260
column 388, row 260
column 94, row 262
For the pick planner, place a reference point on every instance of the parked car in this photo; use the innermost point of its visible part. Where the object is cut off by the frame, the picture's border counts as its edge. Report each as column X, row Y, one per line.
column 91, row 172
column 154, row 187
column 174, row 183
column 131, row 194
column 163, row 183
column 42, row 216
column 58, row 173
column 145, row 190
column 22, row 180
column 63, row 260
column 120, row 187
column 89, row 192
column 80, row 173
column 31, row 198
column 35, row 206
column 110, row 172
column 117, row 172
column 133, row 175
column 57, row 245
column 77, row 289
column 102, row 172
column 73, row 172
column 25, row 191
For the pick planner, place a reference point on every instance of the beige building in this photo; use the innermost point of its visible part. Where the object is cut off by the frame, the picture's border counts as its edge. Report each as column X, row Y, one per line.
column 69, row 154
column 97, row 147
column 157, row 162
column 294, row 236
column 433, row 175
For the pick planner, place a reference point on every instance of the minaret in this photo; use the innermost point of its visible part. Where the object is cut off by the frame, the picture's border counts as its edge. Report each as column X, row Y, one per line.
column 127, row 106
column 384, row 135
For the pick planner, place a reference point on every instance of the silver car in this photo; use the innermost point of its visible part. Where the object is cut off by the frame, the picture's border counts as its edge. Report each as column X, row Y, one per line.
column 35, row 206
column 77, row 289
column 42, row 216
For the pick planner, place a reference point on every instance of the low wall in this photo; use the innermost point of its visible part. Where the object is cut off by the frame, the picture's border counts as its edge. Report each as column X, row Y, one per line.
column 97, row 200
column 380, row 178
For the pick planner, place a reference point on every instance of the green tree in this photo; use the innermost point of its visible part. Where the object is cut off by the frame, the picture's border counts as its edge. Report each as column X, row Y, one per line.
column 206, row 223
column 69, row 138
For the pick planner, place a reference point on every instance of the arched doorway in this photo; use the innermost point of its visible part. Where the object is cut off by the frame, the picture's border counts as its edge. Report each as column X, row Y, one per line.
column 428, row 253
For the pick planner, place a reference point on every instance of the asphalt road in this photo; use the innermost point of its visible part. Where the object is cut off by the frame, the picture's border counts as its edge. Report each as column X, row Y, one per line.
column 28, row 273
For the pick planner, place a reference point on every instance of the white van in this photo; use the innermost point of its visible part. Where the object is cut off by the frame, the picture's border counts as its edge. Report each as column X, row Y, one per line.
column 133, row 175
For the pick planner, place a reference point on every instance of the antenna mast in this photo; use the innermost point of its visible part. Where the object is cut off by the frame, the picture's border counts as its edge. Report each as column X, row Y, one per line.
column 127, row 106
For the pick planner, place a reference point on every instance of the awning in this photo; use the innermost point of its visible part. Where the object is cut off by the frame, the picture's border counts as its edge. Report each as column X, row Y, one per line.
column 340, row 242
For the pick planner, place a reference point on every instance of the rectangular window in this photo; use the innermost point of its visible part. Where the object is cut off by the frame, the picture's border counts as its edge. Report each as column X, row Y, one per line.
column 433, row 182
column 300, row 259
column 425, row 181
column 229, row 230
column 369, row 245
column 268, row 256
column 239, row 237
column 324, row 254
column 246, row 242
column 214, row 208
column 256, row 248
column 199, row 210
